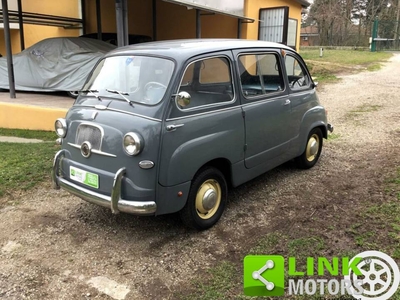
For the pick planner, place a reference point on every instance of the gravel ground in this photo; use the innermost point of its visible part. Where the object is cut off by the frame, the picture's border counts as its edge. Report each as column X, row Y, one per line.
column 55, row 246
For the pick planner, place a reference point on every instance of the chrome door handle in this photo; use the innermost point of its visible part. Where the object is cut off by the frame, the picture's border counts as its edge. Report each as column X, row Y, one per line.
column 174, row 127
column 287, row 102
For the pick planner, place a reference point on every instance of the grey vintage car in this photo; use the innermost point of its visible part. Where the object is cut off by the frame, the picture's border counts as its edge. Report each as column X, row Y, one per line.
column 166, row 127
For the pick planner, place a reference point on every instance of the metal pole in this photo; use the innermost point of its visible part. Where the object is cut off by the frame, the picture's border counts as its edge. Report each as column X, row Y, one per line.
column 374, row 34
column 98, row 17
column 7, row 39
column 120, row 22
column 396, row 34
column 154, row 20
column 198, row 24
column 83, row 8
column 239, row 32
column 21, row 25
column 126, row 25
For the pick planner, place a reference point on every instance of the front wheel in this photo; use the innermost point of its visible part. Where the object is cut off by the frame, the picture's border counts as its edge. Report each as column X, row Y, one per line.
column 73, row 94
column 207, row 199
column 312, row 151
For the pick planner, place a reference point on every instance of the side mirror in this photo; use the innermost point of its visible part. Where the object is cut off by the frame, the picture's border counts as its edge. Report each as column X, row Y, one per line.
column 183, row 99
column 315, row 85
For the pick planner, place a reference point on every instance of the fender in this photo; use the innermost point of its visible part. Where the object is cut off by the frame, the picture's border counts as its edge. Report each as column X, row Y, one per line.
column 314, row 117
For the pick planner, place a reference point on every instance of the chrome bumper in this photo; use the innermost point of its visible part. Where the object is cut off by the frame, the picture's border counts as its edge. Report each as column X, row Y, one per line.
column 330, row 127
column 114, row 202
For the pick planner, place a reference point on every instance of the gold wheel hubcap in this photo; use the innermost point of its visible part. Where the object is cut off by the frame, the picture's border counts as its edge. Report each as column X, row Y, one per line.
column 312, row 147
column 208, row 199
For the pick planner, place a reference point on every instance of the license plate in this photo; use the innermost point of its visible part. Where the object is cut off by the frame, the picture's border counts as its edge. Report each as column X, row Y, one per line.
column 87, row 178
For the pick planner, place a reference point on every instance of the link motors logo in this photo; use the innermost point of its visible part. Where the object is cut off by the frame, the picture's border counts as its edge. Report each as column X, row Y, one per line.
column 370, row 275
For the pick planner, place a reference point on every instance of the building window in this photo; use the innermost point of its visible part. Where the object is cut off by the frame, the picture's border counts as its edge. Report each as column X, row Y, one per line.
column 292, row 33
column 274, row 24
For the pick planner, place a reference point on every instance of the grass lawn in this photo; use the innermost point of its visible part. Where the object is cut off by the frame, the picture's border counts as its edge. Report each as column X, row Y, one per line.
column 25, row 165
column 333, row 62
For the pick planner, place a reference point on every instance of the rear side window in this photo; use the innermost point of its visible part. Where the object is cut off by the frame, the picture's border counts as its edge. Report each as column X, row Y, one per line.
column 260, row 74
column 297, row 75
column 208, row 81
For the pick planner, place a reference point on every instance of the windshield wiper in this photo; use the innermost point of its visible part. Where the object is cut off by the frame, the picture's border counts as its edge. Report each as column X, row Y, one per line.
column 122, row 94
column 92, row 92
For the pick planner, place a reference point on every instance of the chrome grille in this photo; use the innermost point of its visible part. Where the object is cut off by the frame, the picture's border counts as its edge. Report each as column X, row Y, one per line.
column 89, row 133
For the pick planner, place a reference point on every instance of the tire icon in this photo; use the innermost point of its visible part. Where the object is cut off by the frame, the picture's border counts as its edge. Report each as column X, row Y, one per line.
column 380, row 276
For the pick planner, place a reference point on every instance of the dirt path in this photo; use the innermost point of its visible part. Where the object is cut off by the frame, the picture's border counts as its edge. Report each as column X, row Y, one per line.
column 55, row 246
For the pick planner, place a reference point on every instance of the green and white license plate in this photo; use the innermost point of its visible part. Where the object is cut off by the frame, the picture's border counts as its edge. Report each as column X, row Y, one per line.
column 90, row 179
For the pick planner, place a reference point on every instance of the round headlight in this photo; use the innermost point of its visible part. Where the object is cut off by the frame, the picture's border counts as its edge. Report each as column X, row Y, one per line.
column 61, row 127
column 132, row 143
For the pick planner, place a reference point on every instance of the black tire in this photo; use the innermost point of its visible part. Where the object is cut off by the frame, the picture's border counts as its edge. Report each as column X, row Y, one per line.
column 211, row 181
column 311, row 154
column 73, row 94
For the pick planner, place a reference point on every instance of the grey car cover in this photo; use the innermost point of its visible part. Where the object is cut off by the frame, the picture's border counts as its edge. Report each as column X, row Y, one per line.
column 55, row 64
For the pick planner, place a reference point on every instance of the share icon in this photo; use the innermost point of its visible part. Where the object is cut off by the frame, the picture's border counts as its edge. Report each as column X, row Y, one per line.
column 257, row 275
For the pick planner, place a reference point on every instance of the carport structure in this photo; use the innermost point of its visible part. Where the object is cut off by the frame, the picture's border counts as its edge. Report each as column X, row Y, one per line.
column 160, row 19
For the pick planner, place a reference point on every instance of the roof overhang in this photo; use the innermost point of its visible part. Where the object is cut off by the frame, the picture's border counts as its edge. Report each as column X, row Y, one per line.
column 228, row 7
column 304, row 3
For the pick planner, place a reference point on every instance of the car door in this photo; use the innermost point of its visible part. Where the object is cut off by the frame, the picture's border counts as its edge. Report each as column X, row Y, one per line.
column 266, row 107
column 208, row 127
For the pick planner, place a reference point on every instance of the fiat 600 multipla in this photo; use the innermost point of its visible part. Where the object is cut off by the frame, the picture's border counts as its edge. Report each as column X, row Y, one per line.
column 166, row 127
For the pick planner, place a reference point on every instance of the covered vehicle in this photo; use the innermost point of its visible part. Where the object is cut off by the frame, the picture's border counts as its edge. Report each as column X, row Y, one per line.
column 54, row 64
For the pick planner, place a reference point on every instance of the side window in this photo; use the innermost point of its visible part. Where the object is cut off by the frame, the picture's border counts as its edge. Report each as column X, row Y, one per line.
column 260, row 74
column 208, row 81
column 297, row 75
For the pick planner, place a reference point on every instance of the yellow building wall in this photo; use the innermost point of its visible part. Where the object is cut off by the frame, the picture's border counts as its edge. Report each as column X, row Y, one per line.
column 139, row 17
column 36, row 33
column 173, row 21
column 15, row 44
column 252, row 10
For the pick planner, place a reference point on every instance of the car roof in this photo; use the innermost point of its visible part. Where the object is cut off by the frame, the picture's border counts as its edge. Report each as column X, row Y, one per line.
column 188, row 47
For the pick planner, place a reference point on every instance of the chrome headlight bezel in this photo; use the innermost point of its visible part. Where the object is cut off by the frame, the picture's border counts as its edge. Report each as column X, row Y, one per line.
column 132, row 143
column 60, row 127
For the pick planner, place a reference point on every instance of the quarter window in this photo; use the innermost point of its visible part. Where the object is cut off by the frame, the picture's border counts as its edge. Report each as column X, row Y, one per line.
column 260, row 74
column 208, row 81
column 297, row 75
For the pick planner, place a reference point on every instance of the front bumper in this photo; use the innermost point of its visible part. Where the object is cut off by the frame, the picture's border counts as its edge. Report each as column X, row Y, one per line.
column 114, row 202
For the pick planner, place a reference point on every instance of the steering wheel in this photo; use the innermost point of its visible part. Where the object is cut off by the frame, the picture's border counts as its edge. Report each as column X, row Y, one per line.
column 152, row 86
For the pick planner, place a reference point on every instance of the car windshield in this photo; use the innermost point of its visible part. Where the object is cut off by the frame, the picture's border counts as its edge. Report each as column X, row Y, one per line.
column 139, row 79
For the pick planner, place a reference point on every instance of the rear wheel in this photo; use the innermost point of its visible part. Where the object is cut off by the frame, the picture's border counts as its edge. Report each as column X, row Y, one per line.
column 207, row 199
column 312, row 151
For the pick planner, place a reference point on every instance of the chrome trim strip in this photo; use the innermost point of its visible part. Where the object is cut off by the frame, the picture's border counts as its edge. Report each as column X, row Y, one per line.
column 204, row 113
column 116, row 190
column 205, row 106
column 253, row 103
column 56, row 168
column 102, row 107
column 114, row 202
column 93, row 150
column 133, row 114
